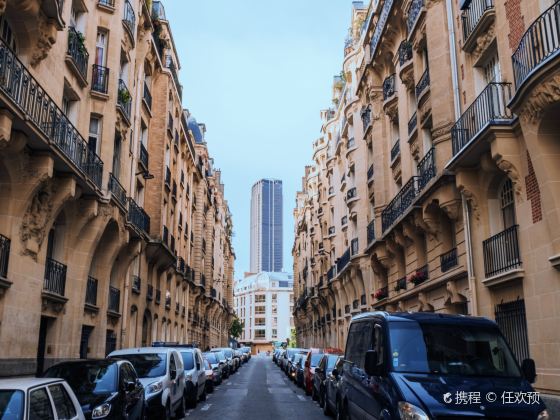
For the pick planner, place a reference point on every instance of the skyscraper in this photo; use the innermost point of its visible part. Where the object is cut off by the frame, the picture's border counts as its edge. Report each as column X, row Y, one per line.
column 266, row 226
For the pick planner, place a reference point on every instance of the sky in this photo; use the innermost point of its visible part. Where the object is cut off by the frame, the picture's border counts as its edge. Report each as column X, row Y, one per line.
column 257, row 73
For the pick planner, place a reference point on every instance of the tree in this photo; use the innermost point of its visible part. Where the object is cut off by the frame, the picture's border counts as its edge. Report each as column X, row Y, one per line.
column 292, row 342
column 236, row 328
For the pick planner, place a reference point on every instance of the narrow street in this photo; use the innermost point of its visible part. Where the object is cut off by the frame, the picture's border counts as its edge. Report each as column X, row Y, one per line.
column 259, row 389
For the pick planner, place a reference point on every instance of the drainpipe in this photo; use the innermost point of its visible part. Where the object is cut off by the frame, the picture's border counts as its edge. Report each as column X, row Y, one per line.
column 470, row 265
column 453, row 57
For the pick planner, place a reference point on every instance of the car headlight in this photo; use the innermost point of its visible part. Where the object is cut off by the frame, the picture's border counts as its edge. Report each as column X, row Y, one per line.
column 543, row 415
column 154, row 387
column 408, row 411
column 101, row 411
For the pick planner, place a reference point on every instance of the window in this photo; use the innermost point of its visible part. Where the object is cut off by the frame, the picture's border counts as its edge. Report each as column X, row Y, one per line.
column 274, row 333
column 260, row 333
column 260, row 322
column 40, row 405
column 94, row 138
column 260, row 309
column 359, row 341
column 491, row 69
column 507, row 203
column 274, row 310
column 260, row 298
column 274, row 297
column 7, row 34
column 117, row 155
column 101, row 48
column 63, row 405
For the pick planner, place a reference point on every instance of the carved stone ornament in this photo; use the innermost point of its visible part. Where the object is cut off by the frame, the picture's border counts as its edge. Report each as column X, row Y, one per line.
column 452, row 295
column 541, row 97
column 425, row 306
column 33, row 227
column 452, row 209
column 45, row 39
column 427, row 223
column 415, row 148
column 431, row 3
column 483, row 41
column 472, row 200
column 510, row 170
column 392, row 110
column 400, row 306
column 442, row 132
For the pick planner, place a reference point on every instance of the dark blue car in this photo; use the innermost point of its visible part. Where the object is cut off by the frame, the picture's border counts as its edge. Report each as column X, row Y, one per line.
column 433, row 366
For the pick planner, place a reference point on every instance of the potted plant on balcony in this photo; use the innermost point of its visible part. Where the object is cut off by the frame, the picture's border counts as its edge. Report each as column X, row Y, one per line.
column 124, row 96
column 81, row 42
column 419, row 276
column 400, row 286
column 380, row 294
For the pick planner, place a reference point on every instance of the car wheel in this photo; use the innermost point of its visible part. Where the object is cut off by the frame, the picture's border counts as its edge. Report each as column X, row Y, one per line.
column 326, row 408
column 181, row 410
column 203, row 396
column 340, row 410
column 313, row 393
column 191, row 402
column 168, row 411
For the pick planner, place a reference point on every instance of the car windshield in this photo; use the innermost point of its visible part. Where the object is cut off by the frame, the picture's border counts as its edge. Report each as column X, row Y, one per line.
column 220, row 355
column 450, row 349
column 148, row 365
column 11, row 405
column 207, row 365
column 188, row 360
column 228, row 353
column 315, row 359
column 211, row 357
column 331, row 361
column 87, row 378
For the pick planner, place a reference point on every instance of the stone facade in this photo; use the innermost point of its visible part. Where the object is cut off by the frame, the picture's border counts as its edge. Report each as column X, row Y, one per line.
column 434, row 184
column 114, row 228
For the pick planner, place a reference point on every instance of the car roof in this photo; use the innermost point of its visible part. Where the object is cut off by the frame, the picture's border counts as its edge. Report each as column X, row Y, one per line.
column 424, row 317
column 24, row 384
column 90, row 361
column 142, row 350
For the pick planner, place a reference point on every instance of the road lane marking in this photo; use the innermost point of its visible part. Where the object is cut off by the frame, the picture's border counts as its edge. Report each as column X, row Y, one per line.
column 206, row 407
column 302, row 398
column 229, row 383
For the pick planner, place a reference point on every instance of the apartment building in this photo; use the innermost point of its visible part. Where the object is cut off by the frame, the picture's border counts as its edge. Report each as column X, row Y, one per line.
column 434, row 182
column 114, row 227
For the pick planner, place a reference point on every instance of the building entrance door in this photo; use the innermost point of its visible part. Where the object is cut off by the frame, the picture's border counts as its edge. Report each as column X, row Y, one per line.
column 84, row 342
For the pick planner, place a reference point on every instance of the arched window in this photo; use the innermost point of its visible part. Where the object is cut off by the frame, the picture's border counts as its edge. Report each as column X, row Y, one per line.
column 507, row 203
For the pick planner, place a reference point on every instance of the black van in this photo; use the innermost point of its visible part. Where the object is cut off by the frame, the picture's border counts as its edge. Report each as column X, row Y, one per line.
column 433, row 366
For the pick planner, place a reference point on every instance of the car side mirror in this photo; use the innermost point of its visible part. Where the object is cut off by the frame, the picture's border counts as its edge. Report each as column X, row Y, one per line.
column 335, row 373
column 129, row 386
column 529, row 370
column 371, row 366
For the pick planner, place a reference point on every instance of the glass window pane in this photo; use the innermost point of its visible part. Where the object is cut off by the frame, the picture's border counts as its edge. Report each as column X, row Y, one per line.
column 40, row 405
column 62, row 403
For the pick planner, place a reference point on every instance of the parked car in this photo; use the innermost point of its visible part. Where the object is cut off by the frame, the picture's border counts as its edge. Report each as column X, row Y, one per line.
column 238, row 356
column 274, row 355
column 161, row 371
column 106, row 388
column 209, row 376
column 323, row 369
column 226, row 367
column 195, row 376
column 216, row 366
column 330, row 393
column 247, row 351
column 295, row 363
column 412, row 365
column 232, row 363
column 311, row 361
column 38, row 398
column 280, row 357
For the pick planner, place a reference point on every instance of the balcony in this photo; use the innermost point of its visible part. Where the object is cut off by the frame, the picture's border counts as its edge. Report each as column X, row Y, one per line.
column 343, row 261
column 331, row 230
column 489, row 108
column 129, row 19
column 538, row 46
column 354, row 247
column 138, row 217
column 144, row 157
column 419, row 276
column 54, row 284
column 389, row 87
column 171, row 66
column 158, row 12
column 117, row 190
column 351, row 195
column 381, row 293
column 150, row 293
column 475, row 19
column 405, row 52
column 413, row 13
column 124, row 100
column 366, row 118
column 167, row 178
column 412, row 124
column 5, row 244
column 114, row 301
column 501, row 252
column 370, row 173
column 77, row 54
column 331, row 273
column 91, row 293
column 174, row 190
column 100, row 79
column 423, row 85
column 395, row 151
column 371, row 232
column 400, row 284
column 448, row 260
column 147, row 96
column 136, row 285
column 26, row 94
column 426, row 168
column 344, row 220
column 157, row 299
column 106, row 3
column 398, row 205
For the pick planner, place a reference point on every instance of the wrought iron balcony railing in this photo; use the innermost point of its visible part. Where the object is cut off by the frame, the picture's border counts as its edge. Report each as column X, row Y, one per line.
column 165, row 235
column 423, row 84
column 370, row 172
column 108, row 3
column 389, row 87
column 400, row 203
column 137, row 216
column 489, row 108
column 117, row 190
column 420, row 275
column 471, row 17
column 405, row 52
column 412, row 123
column 448, row 260
column 4, row 256
column 158, row 12
column 100, row 79
column 129, row 19
column 351, row 193
column 380, row 27
column 147, row 96
column 426, row 168
column 168, row 177
column 114, row 300
column 171, row 66
column 371, row 232
column 144, row 156
column 501, row 252
column 55, row 277
column 344, row 220
column 124, row 100
column 395, row 150
column 366, row 117
column 413, row 14
column 91, row 291
column 17, row 83
column 331, row 273
column 343, row 261
column 540, row 42
column 332, row 230
column 77, row 51
column 400, row 284
column 136, row 284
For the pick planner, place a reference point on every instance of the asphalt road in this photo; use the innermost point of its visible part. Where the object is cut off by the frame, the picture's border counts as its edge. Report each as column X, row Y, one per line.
column 259, row 390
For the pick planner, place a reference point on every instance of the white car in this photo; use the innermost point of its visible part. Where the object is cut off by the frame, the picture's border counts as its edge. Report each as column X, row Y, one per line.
column 161, row 371
column 195, row 375
column 38, row 399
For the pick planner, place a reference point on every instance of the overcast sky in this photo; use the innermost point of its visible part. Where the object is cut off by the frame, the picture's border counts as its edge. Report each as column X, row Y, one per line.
column 257, row 73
